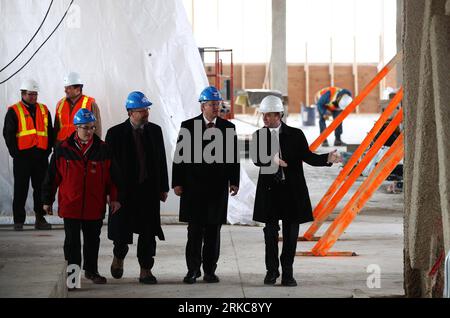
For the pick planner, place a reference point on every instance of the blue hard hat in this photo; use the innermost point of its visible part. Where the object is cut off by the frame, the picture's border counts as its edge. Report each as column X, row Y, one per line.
column 83, row 116
column 137, row 100
column 210, row 93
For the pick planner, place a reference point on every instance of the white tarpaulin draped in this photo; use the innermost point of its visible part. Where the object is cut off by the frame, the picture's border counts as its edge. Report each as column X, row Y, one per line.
column 117, row 47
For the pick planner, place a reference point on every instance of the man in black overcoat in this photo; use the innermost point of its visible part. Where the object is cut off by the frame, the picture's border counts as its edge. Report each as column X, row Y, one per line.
column 203, row 183
column 281, row 192
column 140, row 173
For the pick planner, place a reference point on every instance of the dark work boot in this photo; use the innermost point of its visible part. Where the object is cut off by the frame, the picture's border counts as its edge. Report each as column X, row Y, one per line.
column 117, row 268
column 339, row 142
column 96, row 278
column 146, row 277
column 41, row 223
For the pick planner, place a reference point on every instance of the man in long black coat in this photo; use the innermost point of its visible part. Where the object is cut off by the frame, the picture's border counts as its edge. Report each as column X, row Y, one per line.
column 204, row 186
column 140, row 168
column 281, row 193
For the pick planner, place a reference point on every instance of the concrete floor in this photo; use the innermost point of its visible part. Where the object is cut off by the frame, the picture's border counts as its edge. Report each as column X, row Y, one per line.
column 31, row 261
column 376, row 239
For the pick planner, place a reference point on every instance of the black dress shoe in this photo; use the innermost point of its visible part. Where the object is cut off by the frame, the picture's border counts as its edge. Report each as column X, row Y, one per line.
column 288, row 281
column 191, row 277
column 211, row 278
column 271, row 278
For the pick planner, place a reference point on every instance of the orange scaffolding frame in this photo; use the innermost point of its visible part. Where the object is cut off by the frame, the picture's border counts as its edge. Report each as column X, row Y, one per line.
column 352, row 170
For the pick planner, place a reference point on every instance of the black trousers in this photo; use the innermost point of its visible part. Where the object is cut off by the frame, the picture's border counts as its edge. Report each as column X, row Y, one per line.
column 207, row 235
column 25, row 169
column 146, row 250
column 91, row 239
column 290, row 235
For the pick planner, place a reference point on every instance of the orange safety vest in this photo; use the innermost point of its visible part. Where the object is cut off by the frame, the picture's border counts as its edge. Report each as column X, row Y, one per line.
column 29, row 136
column 333, row 95
column 65, row 116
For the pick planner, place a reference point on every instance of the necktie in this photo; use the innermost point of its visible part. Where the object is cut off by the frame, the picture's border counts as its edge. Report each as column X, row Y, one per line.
column 278, row 176
column 141, row 156
column 210, row 125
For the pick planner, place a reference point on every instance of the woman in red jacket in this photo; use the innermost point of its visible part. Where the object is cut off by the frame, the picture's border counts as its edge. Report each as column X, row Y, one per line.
column 80, row 168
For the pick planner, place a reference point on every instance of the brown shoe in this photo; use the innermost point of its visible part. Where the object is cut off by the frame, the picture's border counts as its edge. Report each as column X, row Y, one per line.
column 117, row 268
column 147, row 277
column 95, row 277
column 41, row 223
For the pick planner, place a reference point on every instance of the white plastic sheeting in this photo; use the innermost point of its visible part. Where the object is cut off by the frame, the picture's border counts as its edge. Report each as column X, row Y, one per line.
column 117, row 47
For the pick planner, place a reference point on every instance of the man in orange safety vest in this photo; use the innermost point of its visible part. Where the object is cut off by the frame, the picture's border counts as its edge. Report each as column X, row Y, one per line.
column 28, row 134
column 68, row 106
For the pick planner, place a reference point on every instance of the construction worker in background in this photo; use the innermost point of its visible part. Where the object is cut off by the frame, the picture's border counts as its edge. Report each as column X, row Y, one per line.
column 224, row 111
column 80, row 167
column 68, row 106
column 204, row 186
column 281, row 192
column 28, row 134
column 332, row 100
column 138, row 151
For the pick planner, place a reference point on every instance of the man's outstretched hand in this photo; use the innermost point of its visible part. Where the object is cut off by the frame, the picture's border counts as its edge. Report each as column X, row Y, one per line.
column 334, row 157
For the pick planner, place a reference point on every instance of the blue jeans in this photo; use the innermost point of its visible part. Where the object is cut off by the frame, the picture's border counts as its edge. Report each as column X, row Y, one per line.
column 323, row 125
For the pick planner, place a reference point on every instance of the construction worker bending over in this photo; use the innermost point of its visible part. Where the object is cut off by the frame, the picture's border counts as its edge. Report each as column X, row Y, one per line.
column 204, row 186
column 80, row 168
column 332, row 100
column 281, row 192
column 138, row 150
column 68, row 106
column 28, row 135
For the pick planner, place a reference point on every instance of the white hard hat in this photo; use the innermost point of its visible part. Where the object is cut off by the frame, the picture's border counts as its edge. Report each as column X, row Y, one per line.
column 29, row 85
column 345, row 101
column 271, row 104
column 72, row 79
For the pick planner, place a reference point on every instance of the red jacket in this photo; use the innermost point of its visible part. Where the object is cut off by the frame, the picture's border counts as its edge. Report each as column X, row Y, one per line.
column 84, row 181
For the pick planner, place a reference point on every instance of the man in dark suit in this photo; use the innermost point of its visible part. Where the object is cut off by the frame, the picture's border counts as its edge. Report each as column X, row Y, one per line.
column 139, row 157
column 281, row 193
column 203, row 183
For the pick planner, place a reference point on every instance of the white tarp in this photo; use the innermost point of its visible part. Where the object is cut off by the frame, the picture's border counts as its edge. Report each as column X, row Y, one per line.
column 117, row 46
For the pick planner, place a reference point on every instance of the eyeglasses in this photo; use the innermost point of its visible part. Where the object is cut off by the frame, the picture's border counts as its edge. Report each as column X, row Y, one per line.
column 213, row 104
column 144, row 110
column 87, row 128
column 32, row 94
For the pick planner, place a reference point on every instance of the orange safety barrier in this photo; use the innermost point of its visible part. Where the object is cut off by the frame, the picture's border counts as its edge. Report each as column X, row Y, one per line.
column 362, row 195
column 369, row 87
column 318, row 212
column 351, row 172
column 356, row 172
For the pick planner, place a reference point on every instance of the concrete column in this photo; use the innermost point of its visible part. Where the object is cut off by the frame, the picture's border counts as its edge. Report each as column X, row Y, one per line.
column 424, row 233
column 278, row 66
column 440, row 51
